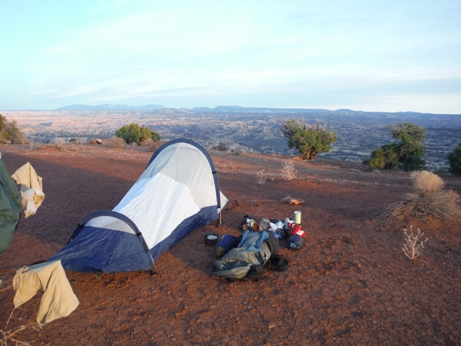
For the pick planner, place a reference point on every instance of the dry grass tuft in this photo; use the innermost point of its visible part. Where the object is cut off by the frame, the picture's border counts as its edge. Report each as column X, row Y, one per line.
column 288, row 170
column 261, row 176
column 115, row 142
column 428, row 199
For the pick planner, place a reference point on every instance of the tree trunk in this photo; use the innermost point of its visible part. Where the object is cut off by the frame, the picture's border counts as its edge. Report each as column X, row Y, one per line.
column 308, row 155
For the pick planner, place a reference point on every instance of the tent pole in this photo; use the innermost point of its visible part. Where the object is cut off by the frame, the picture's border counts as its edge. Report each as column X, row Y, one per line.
column 155, row 269
column 153, row 264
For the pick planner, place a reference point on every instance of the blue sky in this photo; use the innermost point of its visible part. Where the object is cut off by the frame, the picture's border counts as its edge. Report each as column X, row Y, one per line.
column 363, row 55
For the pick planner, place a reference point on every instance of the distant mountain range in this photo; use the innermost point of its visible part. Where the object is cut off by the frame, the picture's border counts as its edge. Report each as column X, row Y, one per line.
column 109, row 107
column 227, row 109
column 238, row 109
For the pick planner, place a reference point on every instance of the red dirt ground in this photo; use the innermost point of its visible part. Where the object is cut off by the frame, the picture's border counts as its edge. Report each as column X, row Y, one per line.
column 350, row 284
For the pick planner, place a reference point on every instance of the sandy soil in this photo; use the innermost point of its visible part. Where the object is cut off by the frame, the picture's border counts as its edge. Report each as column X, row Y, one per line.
column 350, row 284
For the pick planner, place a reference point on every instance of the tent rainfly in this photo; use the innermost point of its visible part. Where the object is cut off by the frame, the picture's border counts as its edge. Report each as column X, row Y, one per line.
column 178, row 192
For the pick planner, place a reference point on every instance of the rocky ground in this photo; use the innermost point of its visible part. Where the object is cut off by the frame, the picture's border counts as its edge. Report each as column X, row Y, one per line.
column 350, row 283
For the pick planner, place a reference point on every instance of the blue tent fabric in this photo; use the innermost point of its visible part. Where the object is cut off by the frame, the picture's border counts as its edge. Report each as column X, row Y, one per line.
column 99, row 249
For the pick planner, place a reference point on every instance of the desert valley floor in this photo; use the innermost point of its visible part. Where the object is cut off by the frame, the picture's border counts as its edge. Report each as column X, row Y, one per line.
column 350, row 283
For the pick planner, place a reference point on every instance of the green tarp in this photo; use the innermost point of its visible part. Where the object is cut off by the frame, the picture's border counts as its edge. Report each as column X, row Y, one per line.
column 10, row 207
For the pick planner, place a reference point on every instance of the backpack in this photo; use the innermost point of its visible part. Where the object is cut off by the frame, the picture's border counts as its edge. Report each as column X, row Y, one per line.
column 248, row 258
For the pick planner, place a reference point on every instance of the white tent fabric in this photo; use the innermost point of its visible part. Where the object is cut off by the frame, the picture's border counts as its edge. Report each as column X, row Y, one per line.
column 156, row 218
column 175, row 161
column 171, row 178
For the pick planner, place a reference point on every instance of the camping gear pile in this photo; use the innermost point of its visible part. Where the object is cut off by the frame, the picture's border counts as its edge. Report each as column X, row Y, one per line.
column 258, row 246
column 288, row 229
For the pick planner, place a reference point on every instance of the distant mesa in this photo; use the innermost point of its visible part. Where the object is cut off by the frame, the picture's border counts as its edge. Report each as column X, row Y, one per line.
column 235, row 109
column 109, row 107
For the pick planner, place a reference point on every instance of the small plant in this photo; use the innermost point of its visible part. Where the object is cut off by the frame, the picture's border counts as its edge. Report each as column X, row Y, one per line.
column 10, row 335
column 221, row 147
column 288, row 170
column 237, row 151
column 413, row 246
column 9, row 132
column 454, row 158
column 261, row 176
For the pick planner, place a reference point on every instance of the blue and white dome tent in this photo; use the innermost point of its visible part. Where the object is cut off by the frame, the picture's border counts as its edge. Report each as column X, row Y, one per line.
column 178, row 192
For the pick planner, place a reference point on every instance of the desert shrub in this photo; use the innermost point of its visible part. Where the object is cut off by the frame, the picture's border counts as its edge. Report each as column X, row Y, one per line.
column 221, row 147
column 261, row 176
column 133, row 133
column 9, row 131
column 115, row 142
column 237, row 151
column 454, row 158
column 407, row 153
column 308, row 139
column 383, row 158
column 147, row 133
column 288, row 170
column 413, row 245
column 428, row 199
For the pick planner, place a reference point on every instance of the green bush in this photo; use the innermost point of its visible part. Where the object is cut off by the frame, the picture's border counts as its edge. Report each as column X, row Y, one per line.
column 9, row 132
column 410, row 148
column 133, row 133
column 309, row 139
column 383, row 158
column 407, row 153
column 454, row 158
